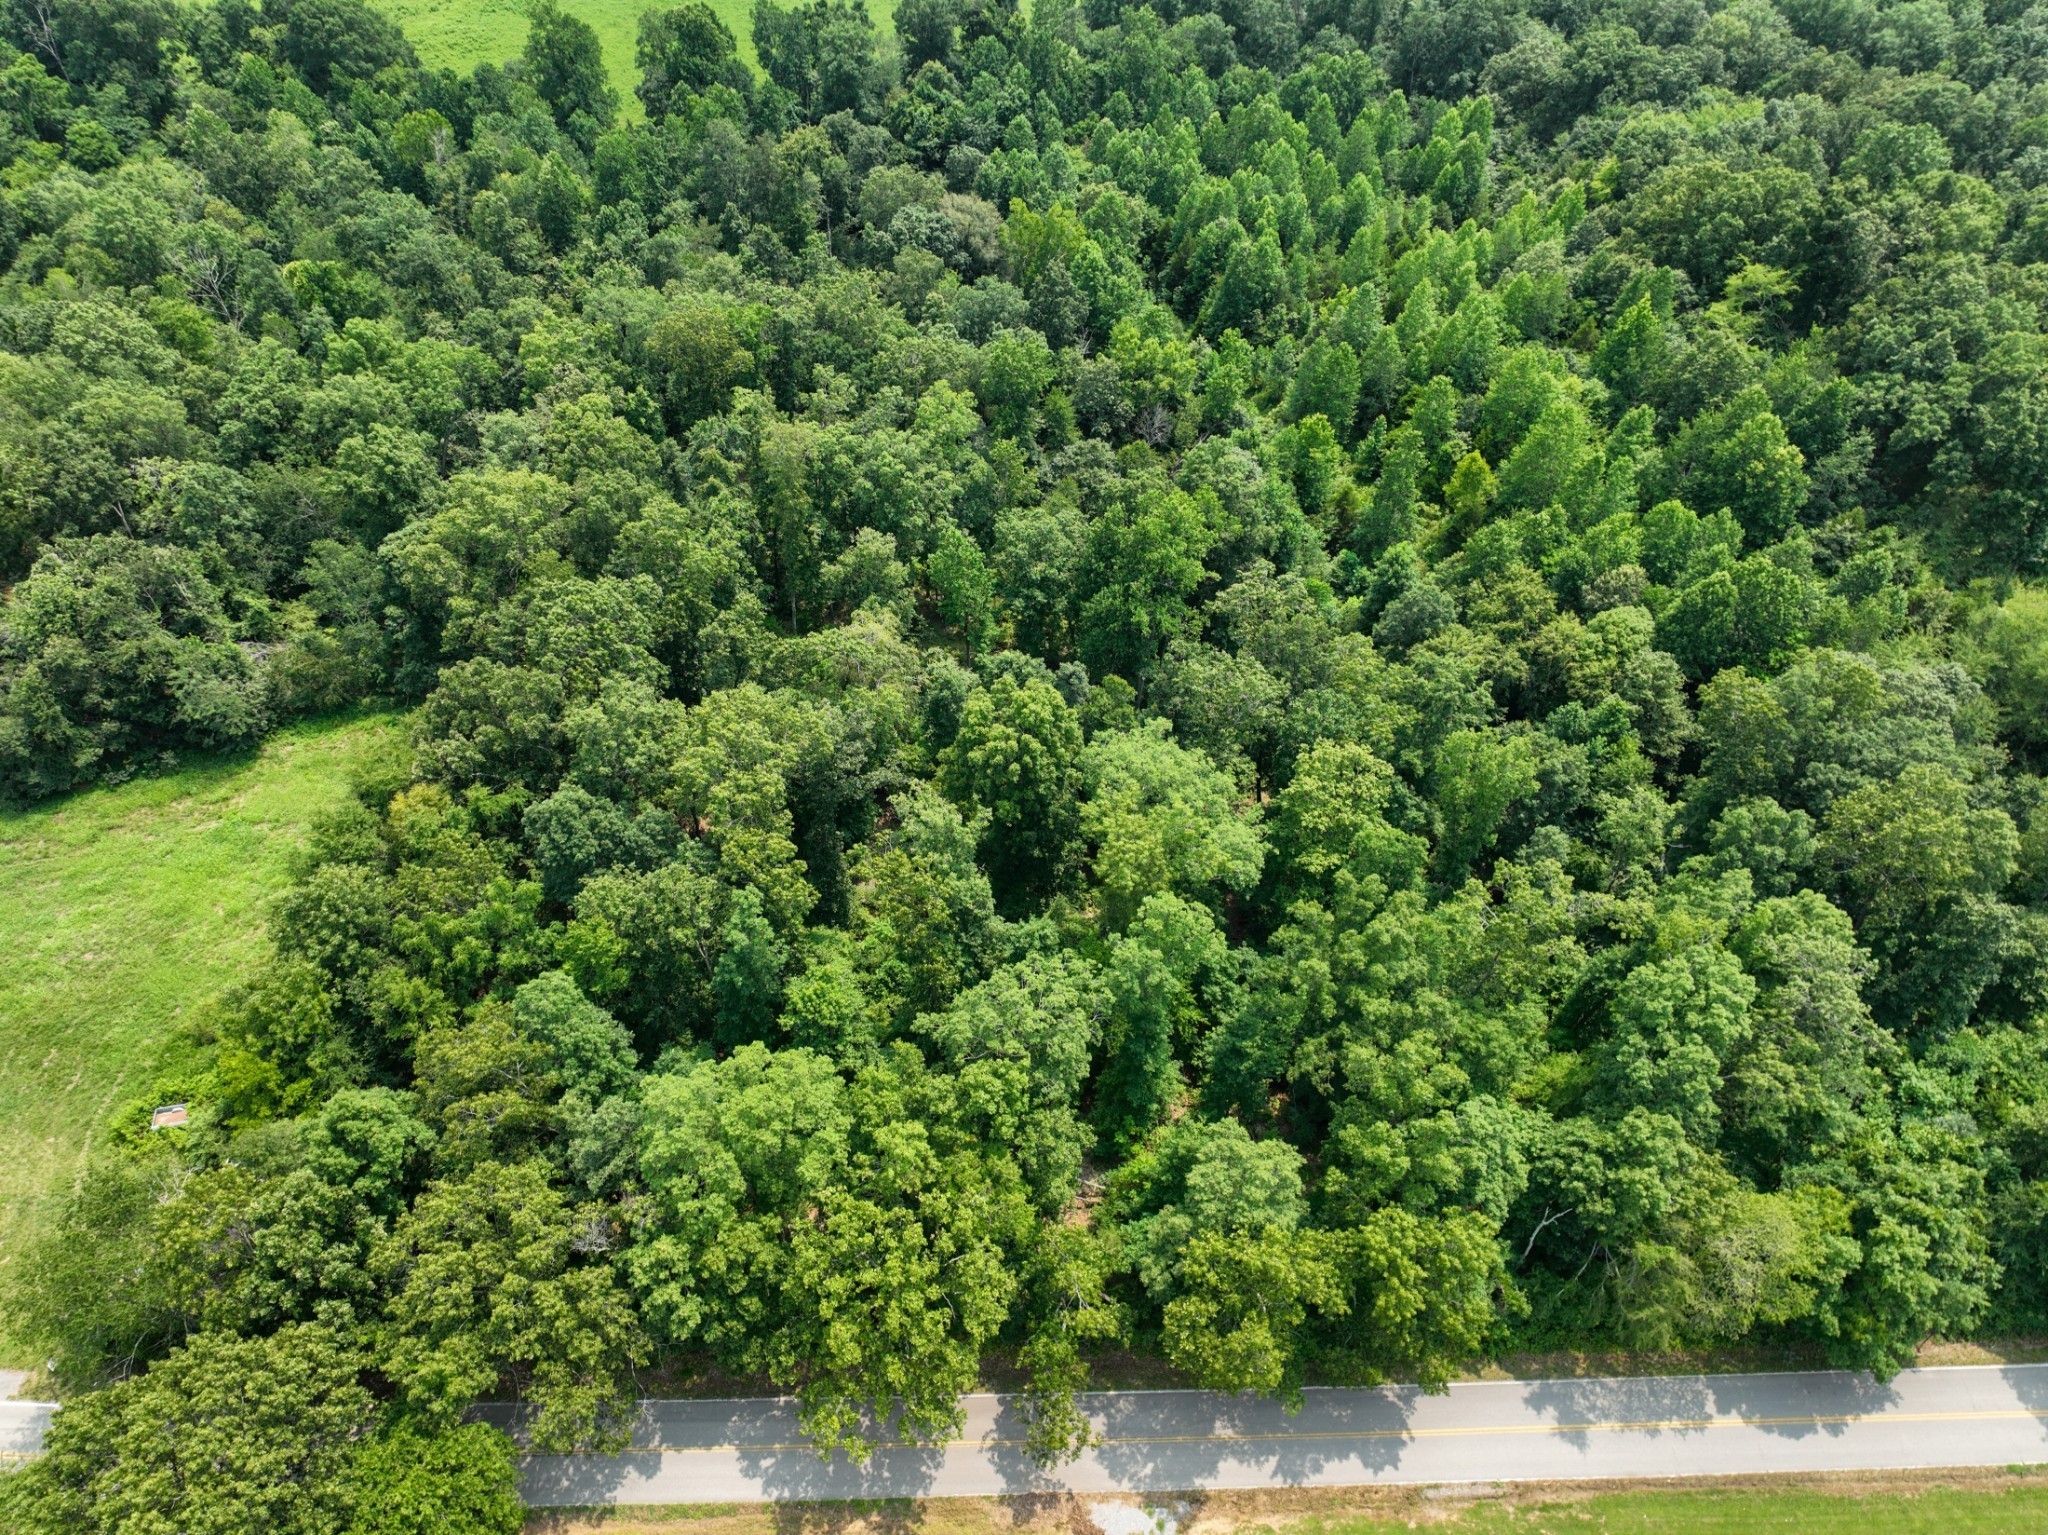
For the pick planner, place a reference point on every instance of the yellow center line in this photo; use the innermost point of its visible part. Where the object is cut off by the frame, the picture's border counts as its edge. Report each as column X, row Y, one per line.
column 1596, row 1426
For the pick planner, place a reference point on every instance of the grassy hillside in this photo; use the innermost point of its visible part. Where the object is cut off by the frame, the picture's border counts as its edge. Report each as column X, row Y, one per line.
column 461, row 33
column 127, row 909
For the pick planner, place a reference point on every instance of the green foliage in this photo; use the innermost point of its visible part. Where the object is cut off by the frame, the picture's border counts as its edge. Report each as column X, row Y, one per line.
column 565, row 65
column 682, row 52
column 495, row 1272
column 1242, row 1300
column 1408, row 635
column 1162, row 821
column 826, row 1234
column 461, row 1481
column 273, row 1421
column 120, row 648
column 1425, row 1295
column 1015, row 759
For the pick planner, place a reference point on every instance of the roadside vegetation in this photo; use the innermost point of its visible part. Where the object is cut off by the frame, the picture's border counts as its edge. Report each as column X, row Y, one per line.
column 1686, row 1511
column 128, row 910
column 1969, row 1503
column 1333, row 687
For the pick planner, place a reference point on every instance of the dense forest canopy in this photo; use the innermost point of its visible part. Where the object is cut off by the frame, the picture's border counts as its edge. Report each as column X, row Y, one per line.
column 1318, row 689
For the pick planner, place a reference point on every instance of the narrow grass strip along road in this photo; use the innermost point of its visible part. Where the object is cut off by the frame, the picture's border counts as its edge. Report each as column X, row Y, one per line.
column 1163, row 1441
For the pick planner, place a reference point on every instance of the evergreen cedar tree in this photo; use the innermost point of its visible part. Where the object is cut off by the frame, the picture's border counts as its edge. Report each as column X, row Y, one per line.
column 1311, row 689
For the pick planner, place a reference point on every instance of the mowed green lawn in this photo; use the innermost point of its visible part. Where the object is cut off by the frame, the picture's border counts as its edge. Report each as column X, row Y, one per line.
column 1983, row 1503
column 460, row 34
column 1983, row 1507
column 1938, row 1511
column 124, row 911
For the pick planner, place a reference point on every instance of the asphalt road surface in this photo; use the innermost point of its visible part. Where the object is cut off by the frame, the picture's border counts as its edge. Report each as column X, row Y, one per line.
column 21, row 1430
column 1185, row 1441
column 1174, row 1441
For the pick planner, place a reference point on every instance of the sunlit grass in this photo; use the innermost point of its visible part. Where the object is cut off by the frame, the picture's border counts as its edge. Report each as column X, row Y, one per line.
column 460, row 34
column 1741, row 1511
column 1889, row 1503
column 124, row 910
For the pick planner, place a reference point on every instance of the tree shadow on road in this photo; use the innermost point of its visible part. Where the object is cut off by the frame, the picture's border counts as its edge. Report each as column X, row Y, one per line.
column 1788, row 1406
column 2029, row 1386
column 1167, row 1439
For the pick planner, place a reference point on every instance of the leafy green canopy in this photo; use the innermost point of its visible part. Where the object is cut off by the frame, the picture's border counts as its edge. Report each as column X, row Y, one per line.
column 1318, row 689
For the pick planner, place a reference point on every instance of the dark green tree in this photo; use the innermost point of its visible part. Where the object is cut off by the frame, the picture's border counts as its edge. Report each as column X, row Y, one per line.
column 681, row 53
column 1016, row 758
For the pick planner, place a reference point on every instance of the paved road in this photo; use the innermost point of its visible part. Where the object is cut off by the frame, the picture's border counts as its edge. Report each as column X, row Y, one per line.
column 1181, row 1441
column 21, row 1430
column 1171, row 1441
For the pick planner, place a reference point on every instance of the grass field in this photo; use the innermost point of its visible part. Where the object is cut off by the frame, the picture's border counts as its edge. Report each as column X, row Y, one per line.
column 125, row 910
column 1675, row 1511
column 460, row 34
column 1960, row 1503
